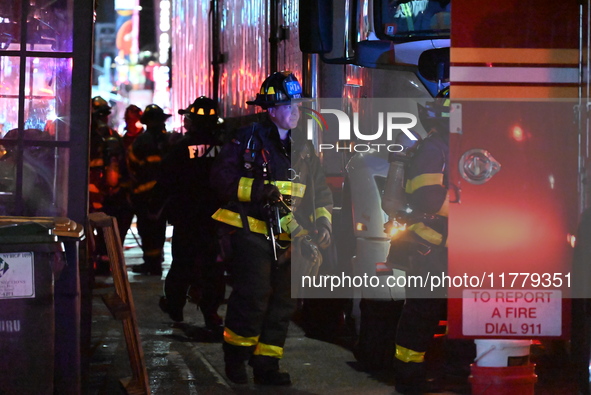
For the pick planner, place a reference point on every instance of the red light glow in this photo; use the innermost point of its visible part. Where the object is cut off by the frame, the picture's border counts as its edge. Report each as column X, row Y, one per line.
column 518, row 134
column 505, row 235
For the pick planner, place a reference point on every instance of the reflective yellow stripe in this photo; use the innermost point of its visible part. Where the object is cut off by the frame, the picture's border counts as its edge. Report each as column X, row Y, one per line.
column 93, row 189
column 298, row 189
column 290, row 225
column 424, row 180
column 154, row 158
column 323, row 212
column 444, row 210
column 268, row 350
column 145, row 187
column 155, row 252
column 515, row 55
column 134, row 158
column 245, row 189
column 237, row 340
column 407, row 355
column 256, row 225
column 96, row 163
column 426, row 233
column 232, row 218
column 289, row 188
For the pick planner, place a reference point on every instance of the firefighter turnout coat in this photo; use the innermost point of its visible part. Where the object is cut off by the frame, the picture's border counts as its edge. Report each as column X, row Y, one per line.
column 261, row 305
column 241, row 172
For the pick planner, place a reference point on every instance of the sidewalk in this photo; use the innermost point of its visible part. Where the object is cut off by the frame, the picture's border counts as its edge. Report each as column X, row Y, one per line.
column 187, row 359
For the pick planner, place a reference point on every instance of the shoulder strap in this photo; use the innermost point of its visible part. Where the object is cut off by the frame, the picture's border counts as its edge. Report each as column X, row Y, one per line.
column 250, row 149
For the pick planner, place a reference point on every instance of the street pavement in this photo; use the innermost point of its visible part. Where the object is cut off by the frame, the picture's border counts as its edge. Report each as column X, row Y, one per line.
column 187, row 359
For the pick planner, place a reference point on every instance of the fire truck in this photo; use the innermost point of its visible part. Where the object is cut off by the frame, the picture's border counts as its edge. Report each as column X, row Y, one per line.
column 519, row 143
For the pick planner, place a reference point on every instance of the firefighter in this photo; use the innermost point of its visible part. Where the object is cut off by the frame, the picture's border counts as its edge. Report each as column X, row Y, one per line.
column 255, row 176
column 427, row 197
column 144, row 160
column 108, row 176
column 133, row 126
column 99, row 132
column 189, row 204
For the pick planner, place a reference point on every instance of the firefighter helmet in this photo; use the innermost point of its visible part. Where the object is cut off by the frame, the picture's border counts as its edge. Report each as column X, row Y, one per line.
column 202, row 108
column 100, row 106
column 435, row 114
column 154, row 113
column 133, row 109
column 279, row 88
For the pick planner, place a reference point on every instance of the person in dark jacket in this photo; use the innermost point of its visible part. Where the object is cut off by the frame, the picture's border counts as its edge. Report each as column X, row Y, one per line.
column 427, row 197
column 133, row 126
column 109, row 177
column 144, row 159
column 257, row 177
column 189, row 204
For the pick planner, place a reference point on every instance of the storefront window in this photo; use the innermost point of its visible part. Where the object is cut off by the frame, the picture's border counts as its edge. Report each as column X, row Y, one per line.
column 49, row 26
column 35, row 100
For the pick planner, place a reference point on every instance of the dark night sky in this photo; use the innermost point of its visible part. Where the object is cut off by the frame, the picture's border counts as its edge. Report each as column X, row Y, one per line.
column 147, row 26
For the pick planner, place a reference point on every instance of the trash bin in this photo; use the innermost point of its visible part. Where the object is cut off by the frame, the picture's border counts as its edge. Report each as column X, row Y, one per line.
column 30, row 258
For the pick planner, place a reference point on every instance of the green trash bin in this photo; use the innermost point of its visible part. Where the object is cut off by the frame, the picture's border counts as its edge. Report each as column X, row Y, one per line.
column 30, row 258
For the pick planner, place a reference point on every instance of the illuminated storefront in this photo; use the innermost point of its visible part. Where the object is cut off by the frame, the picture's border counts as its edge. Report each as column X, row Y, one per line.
column 45, row 88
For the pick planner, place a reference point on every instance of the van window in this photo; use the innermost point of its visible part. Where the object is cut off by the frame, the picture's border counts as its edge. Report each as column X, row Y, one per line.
column 407, row 20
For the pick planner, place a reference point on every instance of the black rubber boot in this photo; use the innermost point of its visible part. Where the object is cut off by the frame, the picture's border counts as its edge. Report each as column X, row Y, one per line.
column 148, row 269
column 175, row 314
column 266, row 371
column 213, row 321
column 411, row 378
column 235, row 358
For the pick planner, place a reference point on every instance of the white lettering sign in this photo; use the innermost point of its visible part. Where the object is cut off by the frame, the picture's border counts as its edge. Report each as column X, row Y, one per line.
column 511, row 313
column 17, row 275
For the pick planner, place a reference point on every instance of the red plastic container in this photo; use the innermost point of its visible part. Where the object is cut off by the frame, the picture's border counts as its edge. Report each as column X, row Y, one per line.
column 509, row 380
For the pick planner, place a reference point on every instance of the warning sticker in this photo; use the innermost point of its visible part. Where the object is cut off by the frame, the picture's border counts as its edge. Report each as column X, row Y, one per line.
column 512, row 313
column 17, row 275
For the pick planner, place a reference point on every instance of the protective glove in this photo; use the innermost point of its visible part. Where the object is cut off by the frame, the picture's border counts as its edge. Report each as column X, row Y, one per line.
column 271, row 194
column 323, row 237
column 323, row 234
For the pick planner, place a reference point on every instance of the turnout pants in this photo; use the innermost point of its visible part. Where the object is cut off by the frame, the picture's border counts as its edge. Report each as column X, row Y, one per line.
column 152, row 231
column 260, row 305
column 194, row 254
column 422, row 309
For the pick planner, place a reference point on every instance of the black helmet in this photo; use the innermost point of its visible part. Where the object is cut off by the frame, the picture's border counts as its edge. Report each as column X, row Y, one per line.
column 132, row 108
column 279, row 88
column 153, row 112
column 202, row 107
column 100, row 106
column 435, row 114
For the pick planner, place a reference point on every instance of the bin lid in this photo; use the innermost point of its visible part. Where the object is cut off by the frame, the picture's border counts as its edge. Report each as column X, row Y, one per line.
column 37, row 229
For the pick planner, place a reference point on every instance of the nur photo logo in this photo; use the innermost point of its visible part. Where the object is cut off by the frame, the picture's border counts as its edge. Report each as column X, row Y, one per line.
column 360, row 133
